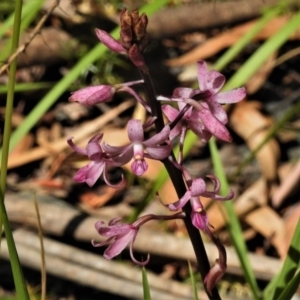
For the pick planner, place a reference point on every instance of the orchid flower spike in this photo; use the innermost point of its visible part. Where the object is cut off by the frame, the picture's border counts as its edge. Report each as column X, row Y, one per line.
column 98, row 164
column 157, row 147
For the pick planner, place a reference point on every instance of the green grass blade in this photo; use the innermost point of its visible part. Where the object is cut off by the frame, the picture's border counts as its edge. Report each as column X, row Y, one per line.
column 193, row 281
column 233, row 51
column 292, row 112
column 248, row 69
column 279, row 283
column 28, row 18
column 291, row 288
column 28, row 6
column 27, row 87
column 146, row 288
column 14, row 259
column 233, row 225
column 51, row 97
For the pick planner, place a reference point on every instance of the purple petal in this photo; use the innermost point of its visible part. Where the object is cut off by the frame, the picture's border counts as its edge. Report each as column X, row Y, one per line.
column 114, row 230
column 232, row 96
column 198, row 187
column 176, row 131
column 199, row 219
column 124, row 157
column 109, row 41
column 114, row 221
column 119, row 245
column 214, row 196
column 214, row 125
column 139, row 167
column 202, row 73
column 93, row 149
column 113, row 150
column 135, row 131
column 217, row 110
column 214, row 275
column 80, row 175
column 159, row 152
column 76, row 148
column 215, row 81
column 170, row 112
column 98, row 225
column 183, row 92
column 215, row 181
column 158, row 138
column 104, row 243
column 115, row 186
column 198, row 128
column 181, row 202
column 140, row 263
column 94, row 173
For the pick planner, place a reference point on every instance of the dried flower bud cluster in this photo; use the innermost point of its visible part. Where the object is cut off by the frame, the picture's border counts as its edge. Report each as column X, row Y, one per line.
column 133, row 29
column 199, row 110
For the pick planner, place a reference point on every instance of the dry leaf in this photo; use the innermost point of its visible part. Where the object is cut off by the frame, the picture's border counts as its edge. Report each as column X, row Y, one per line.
column 290, row 219
column 290, row 180
column 252, row 126
column 83, row 133
column 260, row 77
column 224, row 40
column 95, row 200
column 268, row 223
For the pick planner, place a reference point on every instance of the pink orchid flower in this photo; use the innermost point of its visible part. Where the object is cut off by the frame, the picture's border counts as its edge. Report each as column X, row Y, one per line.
column 98, row 165
column 119, row 236
column 207, row 104
column 157, row 147
column 196, row 188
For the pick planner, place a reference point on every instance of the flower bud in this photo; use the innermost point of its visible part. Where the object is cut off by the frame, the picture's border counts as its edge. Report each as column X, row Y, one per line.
column 109, row 41
column 133, row 29
column 93, row 95
column 136, row 57
column 214, row 275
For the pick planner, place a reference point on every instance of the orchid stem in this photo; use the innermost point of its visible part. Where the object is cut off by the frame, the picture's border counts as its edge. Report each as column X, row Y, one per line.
column 179, row 184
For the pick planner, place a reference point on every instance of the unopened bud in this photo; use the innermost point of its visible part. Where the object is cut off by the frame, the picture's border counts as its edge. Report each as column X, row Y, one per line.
column 93, row 95
column 109, row 41
column 214, row 275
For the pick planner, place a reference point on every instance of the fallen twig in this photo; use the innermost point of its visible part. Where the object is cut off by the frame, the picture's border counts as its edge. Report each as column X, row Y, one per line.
column 92, row 270
column 60, row 219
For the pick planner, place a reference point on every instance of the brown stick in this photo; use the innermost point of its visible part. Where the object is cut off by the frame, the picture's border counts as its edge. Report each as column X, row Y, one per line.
column 57, row 218
column 90, row 269
column 186, row 18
